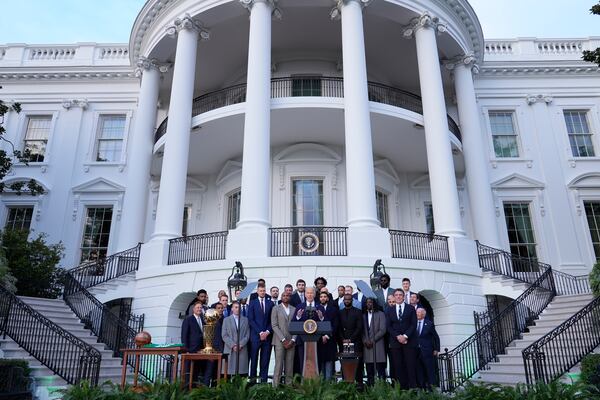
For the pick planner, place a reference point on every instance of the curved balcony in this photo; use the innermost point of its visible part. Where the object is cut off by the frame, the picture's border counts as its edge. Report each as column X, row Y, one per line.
column 307, row 86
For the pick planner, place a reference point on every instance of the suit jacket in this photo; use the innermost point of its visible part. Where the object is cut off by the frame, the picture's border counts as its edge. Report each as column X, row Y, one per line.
column 255, row 296
column 382, row 297
column 328, row 351
column 360, row 304
column 351, row 327
column 406, row 325
column 259, row 321
column 375, row 333
column 429, row 340
column 304, row 317
column 280, row 321
column 192, row 336
column 218, row 338
column 296, row 300
column 229, row 335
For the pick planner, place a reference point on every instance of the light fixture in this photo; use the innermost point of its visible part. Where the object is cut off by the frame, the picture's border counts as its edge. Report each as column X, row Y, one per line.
column 237, row 280
column 378, row 272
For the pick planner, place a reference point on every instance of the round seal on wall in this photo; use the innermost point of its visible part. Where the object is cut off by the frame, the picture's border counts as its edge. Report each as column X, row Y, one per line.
column 310, row 326
column 309, row 242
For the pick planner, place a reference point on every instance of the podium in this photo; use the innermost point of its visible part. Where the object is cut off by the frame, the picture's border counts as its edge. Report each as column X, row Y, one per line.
column 310, row 331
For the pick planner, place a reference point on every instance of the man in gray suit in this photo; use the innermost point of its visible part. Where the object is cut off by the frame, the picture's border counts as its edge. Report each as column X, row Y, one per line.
column 283, row 341
column 231, row 341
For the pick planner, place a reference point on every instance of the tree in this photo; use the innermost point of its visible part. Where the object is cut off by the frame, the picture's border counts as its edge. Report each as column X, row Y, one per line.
column 7, row 158
column 33, row 263
column 593, row 55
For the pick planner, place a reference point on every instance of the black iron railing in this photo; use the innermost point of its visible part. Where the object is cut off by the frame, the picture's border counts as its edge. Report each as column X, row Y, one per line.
column 419, row 246
column 318, row 86
column 474, row 354
column 65, row 354
column 571, row 285
column 308, row 241
column 203, row 247
column 92, row 273
column 555, row 353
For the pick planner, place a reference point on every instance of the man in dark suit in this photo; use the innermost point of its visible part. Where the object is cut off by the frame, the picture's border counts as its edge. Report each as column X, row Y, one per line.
column 192, row 337
column 402, row 325
column 406, row 290
column 299, row 297
column 261, row 282
column 339, row 302
column 309, row 309
column 327, row 347
column 429, row 347
column 383, row 293
column 350, row 329
column 259, row 317
column 202, row 298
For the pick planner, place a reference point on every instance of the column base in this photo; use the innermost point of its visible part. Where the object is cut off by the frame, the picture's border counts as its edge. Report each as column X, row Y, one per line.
column 155, row 253
column 463, row 251
column 248, row 242
column 369, row 242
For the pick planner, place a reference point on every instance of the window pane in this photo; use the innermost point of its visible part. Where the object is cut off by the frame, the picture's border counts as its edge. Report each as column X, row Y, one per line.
column 36, row 137
column 96, row 233
column 382, row 208
column 580, row 137
column 111, row 131
column 186, row 220
column 19, row 218
column 307, row 202
column 233, row 209
column 309, row 86
column 592, row 212
column 429, row 222
column 521, row 237
column 504, row 136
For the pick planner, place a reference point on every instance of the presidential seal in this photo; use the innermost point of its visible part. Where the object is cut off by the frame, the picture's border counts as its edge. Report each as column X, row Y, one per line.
column 310, row 326
column 308, row 242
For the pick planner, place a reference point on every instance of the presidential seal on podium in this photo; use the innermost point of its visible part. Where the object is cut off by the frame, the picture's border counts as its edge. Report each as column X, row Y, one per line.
column 310, row 326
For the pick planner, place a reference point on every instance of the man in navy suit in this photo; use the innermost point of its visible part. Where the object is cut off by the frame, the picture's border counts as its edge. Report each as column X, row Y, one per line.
column 298, row 297
column 259, row 317
column 429, row 347
column 309, row 309
column 261, row 282
column 192, row 337
column 402, row 327
column 327, row 347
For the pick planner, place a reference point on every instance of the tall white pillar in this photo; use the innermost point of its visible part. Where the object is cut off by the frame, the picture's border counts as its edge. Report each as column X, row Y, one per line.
column 254, row 207
column 140, row 156
column 480, row 193
column 442, row 179
column 360, row 178
column 171, row 196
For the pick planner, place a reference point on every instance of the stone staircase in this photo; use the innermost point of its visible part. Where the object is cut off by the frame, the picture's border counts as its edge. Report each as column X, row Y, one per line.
column 58, row 312
column 120, row 287
column 509, row 369
column 502, row 285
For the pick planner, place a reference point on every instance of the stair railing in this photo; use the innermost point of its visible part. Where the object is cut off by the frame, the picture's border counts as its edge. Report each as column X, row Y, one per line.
column 92, row 273
column 62, row 352
column 555, row 353
column 474, row 354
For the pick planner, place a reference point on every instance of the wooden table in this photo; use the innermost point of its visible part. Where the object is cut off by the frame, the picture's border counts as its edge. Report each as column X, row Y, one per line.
column 198, row 357
column 149, row 351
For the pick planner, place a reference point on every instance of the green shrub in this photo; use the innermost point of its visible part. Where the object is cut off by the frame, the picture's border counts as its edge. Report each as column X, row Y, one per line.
column 4, row 362
column 590, row 369
column 11, row 377
column 595, row 279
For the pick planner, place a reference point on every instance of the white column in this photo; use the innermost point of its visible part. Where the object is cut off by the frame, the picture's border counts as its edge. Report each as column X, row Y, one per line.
column 254, row 208
column 442, row 179
column 171, row 197
column 480, row 193
column 140, row 155
column 360, row 178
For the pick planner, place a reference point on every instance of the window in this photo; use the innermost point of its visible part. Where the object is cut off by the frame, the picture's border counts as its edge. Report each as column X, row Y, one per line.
column 111, row 130
column 19, row 218
column 504, row 135
column 233, row 209
column 307, row 86
column 307, row 202
column 580, row 137
column 186, row 221
column 36, row 137
column 96, row 232
column 381, row 200
column 520, row 230
column 429, row 223
column 592, row 212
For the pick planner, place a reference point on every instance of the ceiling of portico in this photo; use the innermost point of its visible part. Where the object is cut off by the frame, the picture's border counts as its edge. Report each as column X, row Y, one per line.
column 305, row 31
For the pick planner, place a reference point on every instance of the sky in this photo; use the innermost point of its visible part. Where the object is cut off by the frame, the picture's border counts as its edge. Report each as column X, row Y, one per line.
column 110, row 21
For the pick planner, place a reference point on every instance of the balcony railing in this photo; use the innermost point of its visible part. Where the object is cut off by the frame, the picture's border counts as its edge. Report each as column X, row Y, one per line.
column 307, row 87
column 419, row 246
column 203, row 247
column 308, row 241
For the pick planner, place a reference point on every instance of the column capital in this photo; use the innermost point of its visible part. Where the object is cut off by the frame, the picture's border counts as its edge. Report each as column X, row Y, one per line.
column 467, row 60
column 425, row 20
column 189, row 23
column 276, row 13
column 146, row 64
column 336, row 11
column 539, row 98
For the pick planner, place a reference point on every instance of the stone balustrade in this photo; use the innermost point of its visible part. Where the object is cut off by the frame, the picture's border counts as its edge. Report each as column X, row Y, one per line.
column 79, row 54
column 529, row 49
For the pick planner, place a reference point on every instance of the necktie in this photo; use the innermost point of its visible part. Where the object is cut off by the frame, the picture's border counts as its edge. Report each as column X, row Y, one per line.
column 398, row 311
column 244, row 310
column 262, row 305
column 302, row 296
column 199, row 322
column 420, row 327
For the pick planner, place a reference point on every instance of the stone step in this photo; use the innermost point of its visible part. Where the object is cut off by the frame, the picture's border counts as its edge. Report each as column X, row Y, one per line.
column 571, row 299
column 502, row 378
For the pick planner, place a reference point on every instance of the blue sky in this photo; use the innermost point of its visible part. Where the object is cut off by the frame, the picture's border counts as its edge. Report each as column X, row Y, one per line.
column 69, row 21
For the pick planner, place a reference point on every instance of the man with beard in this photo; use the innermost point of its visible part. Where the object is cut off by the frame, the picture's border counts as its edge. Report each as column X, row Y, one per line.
column 350, row 331
column 326, row 346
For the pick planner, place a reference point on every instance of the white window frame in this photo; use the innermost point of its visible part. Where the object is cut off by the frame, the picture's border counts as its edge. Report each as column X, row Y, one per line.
column 226, row 206
column 20, row 202
column 322, row 179
column 513, row 111
column 387, row 210
column 93, row 148
column 85, row 205
column 19, row 142
column 592, row 126
column 591, row 199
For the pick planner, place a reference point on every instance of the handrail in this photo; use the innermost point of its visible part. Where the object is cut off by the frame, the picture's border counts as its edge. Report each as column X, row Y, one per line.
column 95, row 272
column 555, row 353
column 317, row 86
column 473, row 354
column 419, row 246
column 62, row 352
column 202, row 247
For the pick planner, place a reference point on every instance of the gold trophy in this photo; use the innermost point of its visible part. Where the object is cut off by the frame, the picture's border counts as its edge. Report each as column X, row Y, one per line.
column 211, row 316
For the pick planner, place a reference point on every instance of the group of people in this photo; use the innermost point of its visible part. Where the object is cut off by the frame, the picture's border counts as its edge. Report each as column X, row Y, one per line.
column 392, row 329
